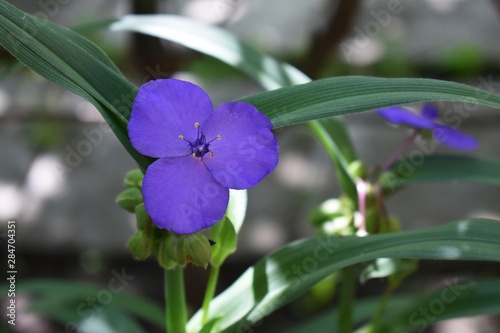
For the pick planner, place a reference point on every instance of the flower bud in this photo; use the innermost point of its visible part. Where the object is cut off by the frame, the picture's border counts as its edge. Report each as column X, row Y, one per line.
column 197, row 249
column 133, row 178
column 129, row 198
column 164, row 252
column 140, row 246
column 141, row 216
column 357, row 169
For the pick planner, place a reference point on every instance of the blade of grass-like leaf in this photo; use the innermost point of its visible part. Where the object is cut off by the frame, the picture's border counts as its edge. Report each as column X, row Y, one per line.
column 457, row 299
column 363, row 310
column 63, row 292
column 109, row 320
column 474, row 298
column 72, row 62
column 217, row 43
column 441, row 168
column 286, row 274
column 351, row 94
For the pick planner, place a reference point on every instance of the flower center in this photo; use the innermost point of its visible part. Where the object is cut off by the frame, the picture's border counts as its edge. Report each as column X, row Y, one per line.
column 200, row 146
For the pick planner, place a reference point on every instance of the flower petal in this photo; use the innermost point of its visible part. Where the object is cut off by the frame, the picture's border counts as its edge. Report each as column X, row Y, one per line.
column 401, row 116
column 453, row 138
column 181, row 195
column 163, row 110
column 430, row 111
column 247, row 150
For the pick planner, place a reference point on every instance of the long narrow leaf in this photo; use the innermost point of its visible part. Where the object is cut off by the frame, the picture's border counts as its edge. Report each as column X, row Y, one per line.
column 59, row 293
column 351, row 94
column 217, row 43
column 461, row 299
column 288, row 273
column 442, row 169
column 72, row 62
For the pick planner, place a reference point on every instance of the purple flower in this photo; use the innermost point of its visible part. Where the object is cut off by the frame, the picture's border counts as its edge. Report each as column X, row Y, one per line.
column 201, row 152
column 428, row 120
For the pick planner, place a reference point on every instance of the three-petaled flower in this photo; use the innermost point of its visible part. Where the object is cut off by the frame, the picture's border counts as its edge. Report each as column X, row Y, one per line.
column 202, row 152
column 428, row 119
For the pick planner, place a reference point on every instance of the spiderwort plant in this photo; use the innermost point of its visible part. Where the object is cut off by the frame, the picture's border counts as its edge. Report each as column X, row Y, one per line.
column 201, row 152
column 425, row 123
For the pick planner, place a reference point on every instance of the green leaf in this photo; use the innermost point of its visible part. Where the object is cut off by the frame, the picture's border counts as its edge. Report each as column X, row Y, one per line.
column 288, row 273
column 73, row 63
column 109, row 320
column 472, row 298
column 456, row 299
column 62, row 293
column 351, row 94
column 217, row 43
column 225, row 238
column 441, row 169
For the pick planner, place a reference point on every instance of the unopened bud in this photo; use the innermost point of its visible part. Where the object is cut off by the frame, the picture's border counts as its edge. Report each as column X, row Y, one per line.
column 129, row 198
column 133, row 178
column 164, row 253
column 141, row 216
column 197, row 249
column 140, row 246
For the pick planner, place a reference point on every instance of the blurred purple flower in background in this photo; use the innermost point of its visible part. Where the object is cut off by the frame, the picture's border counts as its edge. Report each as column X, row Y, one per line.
column 202, row 152
column 428, row 120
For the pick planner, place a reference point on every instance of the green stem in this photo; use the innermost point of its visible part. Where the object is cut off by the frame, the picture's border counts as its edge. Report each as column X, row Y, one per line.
column 210, row 292
column 380, row 310
column 175, row 299
column 347, row 293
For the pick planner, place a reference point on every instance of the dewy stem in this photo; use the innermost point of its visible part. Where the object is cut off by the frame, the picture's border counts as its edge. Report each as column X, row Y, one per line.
column 175, row 299
column 347, row 293
column 406, row 144
column 209, row 292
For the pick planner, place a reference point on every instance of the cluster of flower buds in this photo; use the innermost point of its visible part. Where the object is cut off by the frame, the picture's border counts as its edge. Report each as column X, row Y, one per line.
column 170, row 249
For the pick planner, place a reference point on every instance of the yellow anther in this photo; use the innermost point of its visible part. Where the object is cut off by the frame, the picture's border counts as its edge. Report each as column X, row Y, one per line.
column 194, row 154
column 211, row 155
column 219, row 137
column 181, row 136
column 196, row 124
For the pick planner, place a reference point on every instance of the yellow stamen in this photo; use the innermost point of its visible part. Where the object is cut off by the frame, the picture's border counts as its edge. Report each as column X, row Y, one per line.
column 194, row 154
column 196, row 124
column 211, row 155
column 181, row 136
column 219, row 137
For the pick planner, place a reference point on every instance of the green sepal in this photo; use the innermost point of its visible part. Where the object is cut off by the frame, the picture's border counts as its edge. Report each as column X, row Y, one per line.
column 226, row 240
column 140, row 246
column 129, row 198
column 133, row 178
